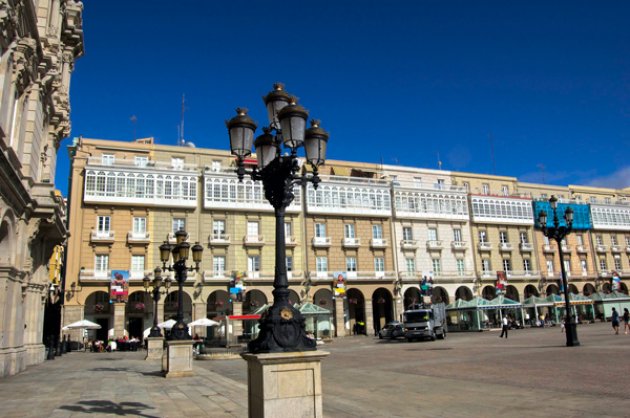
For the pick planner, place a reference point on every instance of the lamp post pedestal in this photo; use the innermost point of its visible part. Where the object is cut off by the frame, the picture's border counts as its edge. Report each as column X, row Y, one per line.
column 155, row 348
column 285, row 384
column 179, row 358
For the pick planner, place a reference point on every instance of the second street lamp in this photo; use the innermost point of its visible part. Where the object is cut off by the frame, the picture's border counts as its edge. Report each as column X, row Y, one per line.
column 558, row 232
column 180, row 252
column 281, row 326
column 157, row 283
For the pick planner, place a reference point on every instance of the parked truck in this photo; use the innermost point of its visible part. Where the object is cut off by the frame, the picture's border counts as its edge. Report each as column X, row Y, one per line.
column 425, row 321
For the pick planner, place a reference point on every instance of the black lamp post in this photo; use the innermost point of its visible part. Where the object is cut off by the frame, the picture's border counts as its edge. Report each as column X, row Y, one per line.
column 558, row 233
column 156, row 283
column 282, row 326
column 180, row 251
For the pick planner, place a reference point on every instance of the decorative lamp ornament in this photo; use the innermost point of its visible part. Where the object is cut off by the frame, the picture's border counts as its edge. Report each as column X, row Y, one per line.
column 293, row 122
column 275, row 101
column 266, row 148
column 241, row 129
column 315, row 142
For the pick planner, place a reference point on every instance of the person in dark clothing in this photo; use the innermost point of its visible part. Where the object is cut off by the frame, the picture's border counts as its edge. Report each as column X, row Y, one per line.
column 504, row 327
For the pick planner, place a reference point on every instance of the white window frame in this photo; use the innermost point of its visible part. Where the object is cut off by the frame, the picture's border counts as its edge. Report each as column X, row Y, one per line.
column 351, row 264
column 108, row 159
column 103, row 225
column 410, row 264
column 436, row 264
column 101, row 265
column 179, row 224
column 141, row 161
column 253, row 266
column 457, row 235
column 218, row 228
column 407, row 233
column 377, row 231
column 550, row 270
column 349, row 231
column 379, row 264
column 460, row 264
column 253, row 229
column 486, row 266
column 218, row 266
column 320, row 230
column 527, row 266
column 432, row 234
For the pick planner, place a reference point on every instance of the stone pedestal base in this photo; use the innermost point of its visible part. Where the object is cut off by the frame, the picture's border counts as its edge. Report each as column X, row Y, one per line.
column 179, row 358
column 155, row 348
column 284, row 384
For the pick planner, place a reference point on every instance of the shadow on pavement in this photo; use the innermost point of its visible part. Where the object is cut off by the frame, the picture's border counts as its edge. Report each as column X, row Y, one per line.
column 109, row 369
column 109, row 407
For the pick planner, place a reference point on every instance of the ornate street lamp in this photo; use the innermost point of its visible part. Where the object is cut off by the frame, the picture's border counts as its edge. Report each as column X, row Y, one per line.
column 180, row 252
column 558, row 233
column 157, row 283
column 282, row 326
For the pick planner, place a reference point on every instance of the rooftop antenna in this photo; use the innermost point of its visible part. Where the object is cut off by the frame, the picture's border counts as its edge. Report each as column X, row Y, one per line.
column 494, row 163
column 133, row 120
column 439, row 161
column 542, row 169
column 182, row 141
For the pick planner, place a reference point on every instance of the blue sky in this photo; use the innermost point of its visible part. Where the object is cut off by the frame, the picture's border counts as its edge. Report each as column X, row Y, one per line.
column 543, row 86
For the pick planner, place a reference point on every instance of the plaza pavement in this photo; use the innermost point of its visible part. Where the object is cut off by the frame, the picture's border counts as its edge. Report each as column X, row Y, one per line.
column 531, row 374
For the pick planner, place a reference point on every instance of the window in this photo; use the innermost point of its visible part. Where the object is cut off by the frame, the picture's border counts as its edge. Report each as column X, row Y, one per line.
column 527, row 266
column 321, row 264
column 457, row 235
column 417, row 182
column 467, row 186
column 603, row 266
column 320, row 230
column 550, row 267
column 607, row 200
column 218, row 266
column 377, row 231
column 410, row 263
column 485, row 188
column 507, row 265
column 579, row 239
column 567, row 267
column 613, row 240
column 592, row 199
column 288, row 230
column 351, row 264
column 505, row 190
column 379, row 264
column 179, row 224
column 503, row 238
column 252, row 229
column 137, row 266
column 460, row 266
column 483, row 237
column 407, row 233
column 177, row 163
column 617, row 261
column 523, row 237
column 216, row 166
column 103, row 225
column 108, row 159
column 101, row 265
column 440, row 184
column 584, row 267
column 141, row 161
column 348, row 230
column 289, row 263
column 546, row 240
column 139, row 227
column 218, row 228
column 599, row 240
column 437, row 266
column 433, row 236
column 253, row 265
column 628, row 240
column 486, row 268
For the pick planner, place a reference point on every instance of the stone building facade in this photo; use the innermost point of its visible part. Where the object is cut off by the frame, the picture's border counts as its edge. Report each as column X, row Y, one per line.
column 39, row 42
column 375, row 229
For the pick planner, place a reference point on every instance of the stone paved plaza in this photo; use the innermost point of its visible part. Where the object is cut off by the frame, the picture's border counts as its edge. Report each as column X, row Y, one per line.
column 531, row 374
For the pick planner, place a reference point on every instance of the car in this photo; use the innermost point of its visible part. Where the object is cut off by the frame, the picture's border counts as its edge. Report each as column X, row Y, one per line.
column 392, row 329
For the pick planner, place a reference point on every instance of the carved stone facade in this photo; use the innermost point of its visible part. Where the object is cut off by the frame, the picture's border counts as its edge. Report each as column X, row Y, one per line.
column 39, row 41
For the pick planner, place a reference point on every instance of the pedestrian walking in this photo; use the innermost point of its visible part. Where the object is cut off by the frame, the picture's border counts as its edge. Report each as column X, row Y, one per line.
column 615, row 320
column 504, row 328
column 626, row 320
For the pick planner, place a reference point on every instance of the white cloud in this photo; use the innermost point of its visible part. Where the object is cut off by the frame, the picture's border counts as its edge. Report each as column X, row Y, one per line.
column 617, row 180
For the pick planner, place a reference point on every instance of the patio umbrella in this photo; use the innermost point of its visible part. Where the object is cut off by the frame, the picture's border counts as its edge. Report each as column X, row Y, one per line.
column 82, row 324
column 203, row 322
column 167, row 324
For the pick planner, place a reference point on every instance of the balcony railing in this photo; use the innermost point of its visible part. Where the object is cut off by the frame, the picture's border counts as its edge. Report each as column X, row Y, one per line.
column 615, row 249
column 434, row 245
column 601, row 248
column 484, row 246
column 290, row 241
column 604, row 273
column 210, row 275
column 505, row 246
column 409, row 275
column 628, row 249
column 95, row 275
column 409, row 244
column 219, row 239
column 173, row 240
column 150, row 165
column 321, row 242
column 459, row 245
column 351, row 242
column 254, row 240
column 523, row 273
column 566, row 249
column 138, row 237
column 102, row 236
column 548, row 248
column 581, row 249
column 378, row 243
column 526, row 246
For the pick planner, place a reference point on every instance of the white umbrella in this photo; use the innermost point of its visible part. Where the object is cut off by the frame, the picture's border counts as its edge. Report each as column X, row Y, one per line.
column 167, row 324
column 204, row 322
column 82, row 324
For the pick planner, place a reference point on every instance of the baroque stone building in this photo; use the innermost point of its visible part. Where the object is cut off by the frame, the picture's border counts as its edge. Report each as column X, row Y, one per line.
column 381, row 228
column 39, row 42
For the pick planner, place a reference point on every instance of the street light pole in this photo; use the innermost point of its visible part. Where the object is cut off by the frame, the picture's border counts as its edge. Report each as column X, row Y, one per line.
column 282, row 326
column 180, row 252
column 558, row 233
column 157, row 284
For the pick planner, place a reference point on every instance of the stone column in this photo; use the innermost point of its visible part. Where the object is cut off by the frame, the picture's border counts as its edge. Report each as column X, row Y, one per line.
column 155, row 348
column 369, row 318
column 340, row 324
column 119, row 320
column 284, row 384
column 73, row 313
column 237, row 325
column 179, row 358
column 199, row 312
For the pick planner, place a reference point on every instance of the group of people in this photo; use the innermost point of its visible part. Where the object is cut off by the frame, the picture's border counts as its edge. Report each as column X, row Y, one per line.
column 123, row 344
column 616, row 320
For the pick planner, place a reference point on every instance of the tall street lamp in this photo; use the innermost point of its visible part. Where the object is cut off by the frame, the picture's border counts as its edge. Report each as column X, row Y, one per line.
column 180, row 251
column 157, row 282
column 282, row 326
column 558, row 233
